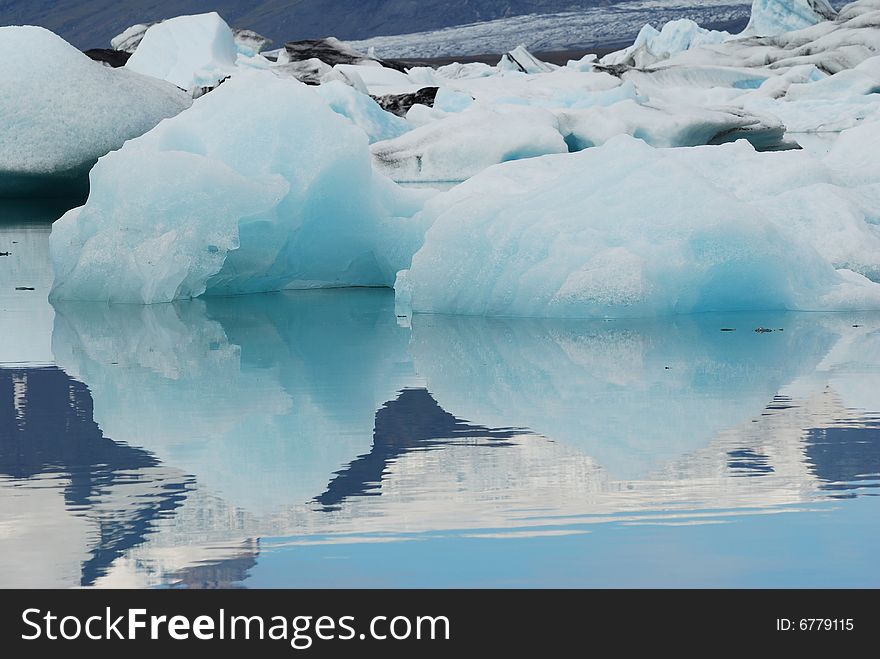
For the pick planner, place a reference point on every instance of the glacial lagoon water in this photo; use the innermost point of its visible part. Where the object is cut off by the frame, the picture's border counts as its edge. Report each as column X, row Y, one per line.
column 311, row 439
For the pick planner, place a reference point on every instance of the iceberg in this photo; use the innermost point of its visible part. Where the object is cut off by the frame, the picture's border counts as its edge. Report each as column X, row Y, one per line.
column 250, row 43
column 520, row 59
column 130, row 38
column 772, row 17
column 652, row 45
column 259, row 186
column 627, row 230
column 61, row 111
column 188, row 51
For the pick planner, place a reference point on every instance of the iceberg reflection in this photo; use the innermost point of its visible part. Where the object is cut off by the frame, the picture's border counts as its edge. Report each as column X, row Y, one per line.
column 317, row 417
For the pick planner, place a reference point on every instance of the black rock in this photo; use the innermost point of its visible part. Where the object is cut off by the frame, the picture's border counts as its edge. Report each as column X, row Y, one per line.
column 108, row 56
column 310, row 71
column 399, row 104
column 332, row 52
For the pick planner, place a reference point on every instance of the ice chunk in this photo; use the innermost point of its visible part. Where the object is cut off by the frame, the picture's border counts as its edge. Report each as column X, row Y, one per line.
column 520, row 59
column 666, row 125
column 61, row 111
column 379, row 79
column 130, row 38
column 310, row 71
column 771, row 17
column 842, row 85
column 400, row 104
column 463, row 144
column 449, row 100
column 331, row 51
column 362, row 111
column 188, row 51
column 585, row 63
column 250, row 43
column 350, row 77
column 623, row 230
column 259, row 186
column 854, row 157
column 652, row 46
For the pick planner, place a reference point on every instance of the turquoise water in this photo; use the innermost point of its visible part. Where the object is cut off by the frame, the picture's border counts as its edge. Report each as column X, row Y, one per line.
column 317, row 439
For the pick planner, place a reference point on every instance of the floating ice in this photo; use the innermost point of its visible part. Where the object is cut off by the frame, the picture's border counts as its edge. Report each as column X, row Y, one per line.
column 249, row 43
column 628, row 230
column 188, row 51
column 771, row 17
column 259, row 186
column 129, row 39
column 520, row 59
column 465, row 143
column 61, row 111
column 652, row 45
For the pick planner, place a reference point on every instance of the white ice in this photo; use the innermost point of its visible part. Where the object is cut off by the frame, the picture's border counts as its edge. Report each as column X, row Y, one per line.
column 771, row 17
column 465, row 143
column 362, row 111
column 629, row 230
column 61, row 111
column 652, row 45
column 188, row 51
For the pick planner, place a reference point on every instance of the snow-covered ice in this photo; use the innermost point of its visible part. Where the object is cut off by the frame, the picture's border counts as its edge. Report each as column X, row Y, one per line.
column 61, row 111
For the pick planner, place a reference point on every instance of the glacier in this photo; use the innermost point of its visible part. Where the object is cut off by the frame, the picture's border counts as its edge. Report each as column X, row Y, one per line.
column 259, row 186
column 61, row 111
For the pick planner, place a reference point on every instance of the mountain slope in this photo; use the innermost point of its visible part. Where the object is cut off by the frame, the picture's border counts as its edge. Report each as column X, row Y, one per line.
column 91, row 23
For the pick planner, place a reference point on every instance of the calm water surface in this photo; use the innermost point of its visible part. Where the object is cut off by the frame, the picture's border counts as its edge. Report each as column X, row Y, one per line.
column 316, row 439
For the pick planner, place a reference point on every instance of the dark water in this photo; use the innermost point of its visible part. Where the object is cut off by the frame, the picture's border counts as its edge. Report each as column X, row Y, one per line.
column 315, row 439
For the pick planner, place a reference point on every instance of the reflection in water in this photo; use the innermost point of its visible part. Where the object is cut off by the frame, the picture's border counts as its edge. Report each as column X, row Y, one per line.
column 47, row 431
column 247, row 428
column 413, row 421
column 846, row 458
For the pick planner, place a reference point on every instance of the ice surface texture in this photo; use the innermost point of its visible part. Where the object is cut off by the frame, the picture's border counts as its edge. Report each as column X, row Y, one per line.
column 362, row 111
column 61, row 111
column 652, row 45
column 259, row 186
column 188, row 51
column 268, row 184
column 770, row 17
column 629, row 230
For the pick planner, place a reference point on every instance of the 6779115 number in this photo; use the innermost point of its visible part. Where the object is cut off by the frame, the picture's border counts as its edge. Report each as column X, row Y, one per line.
column 815, row 624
